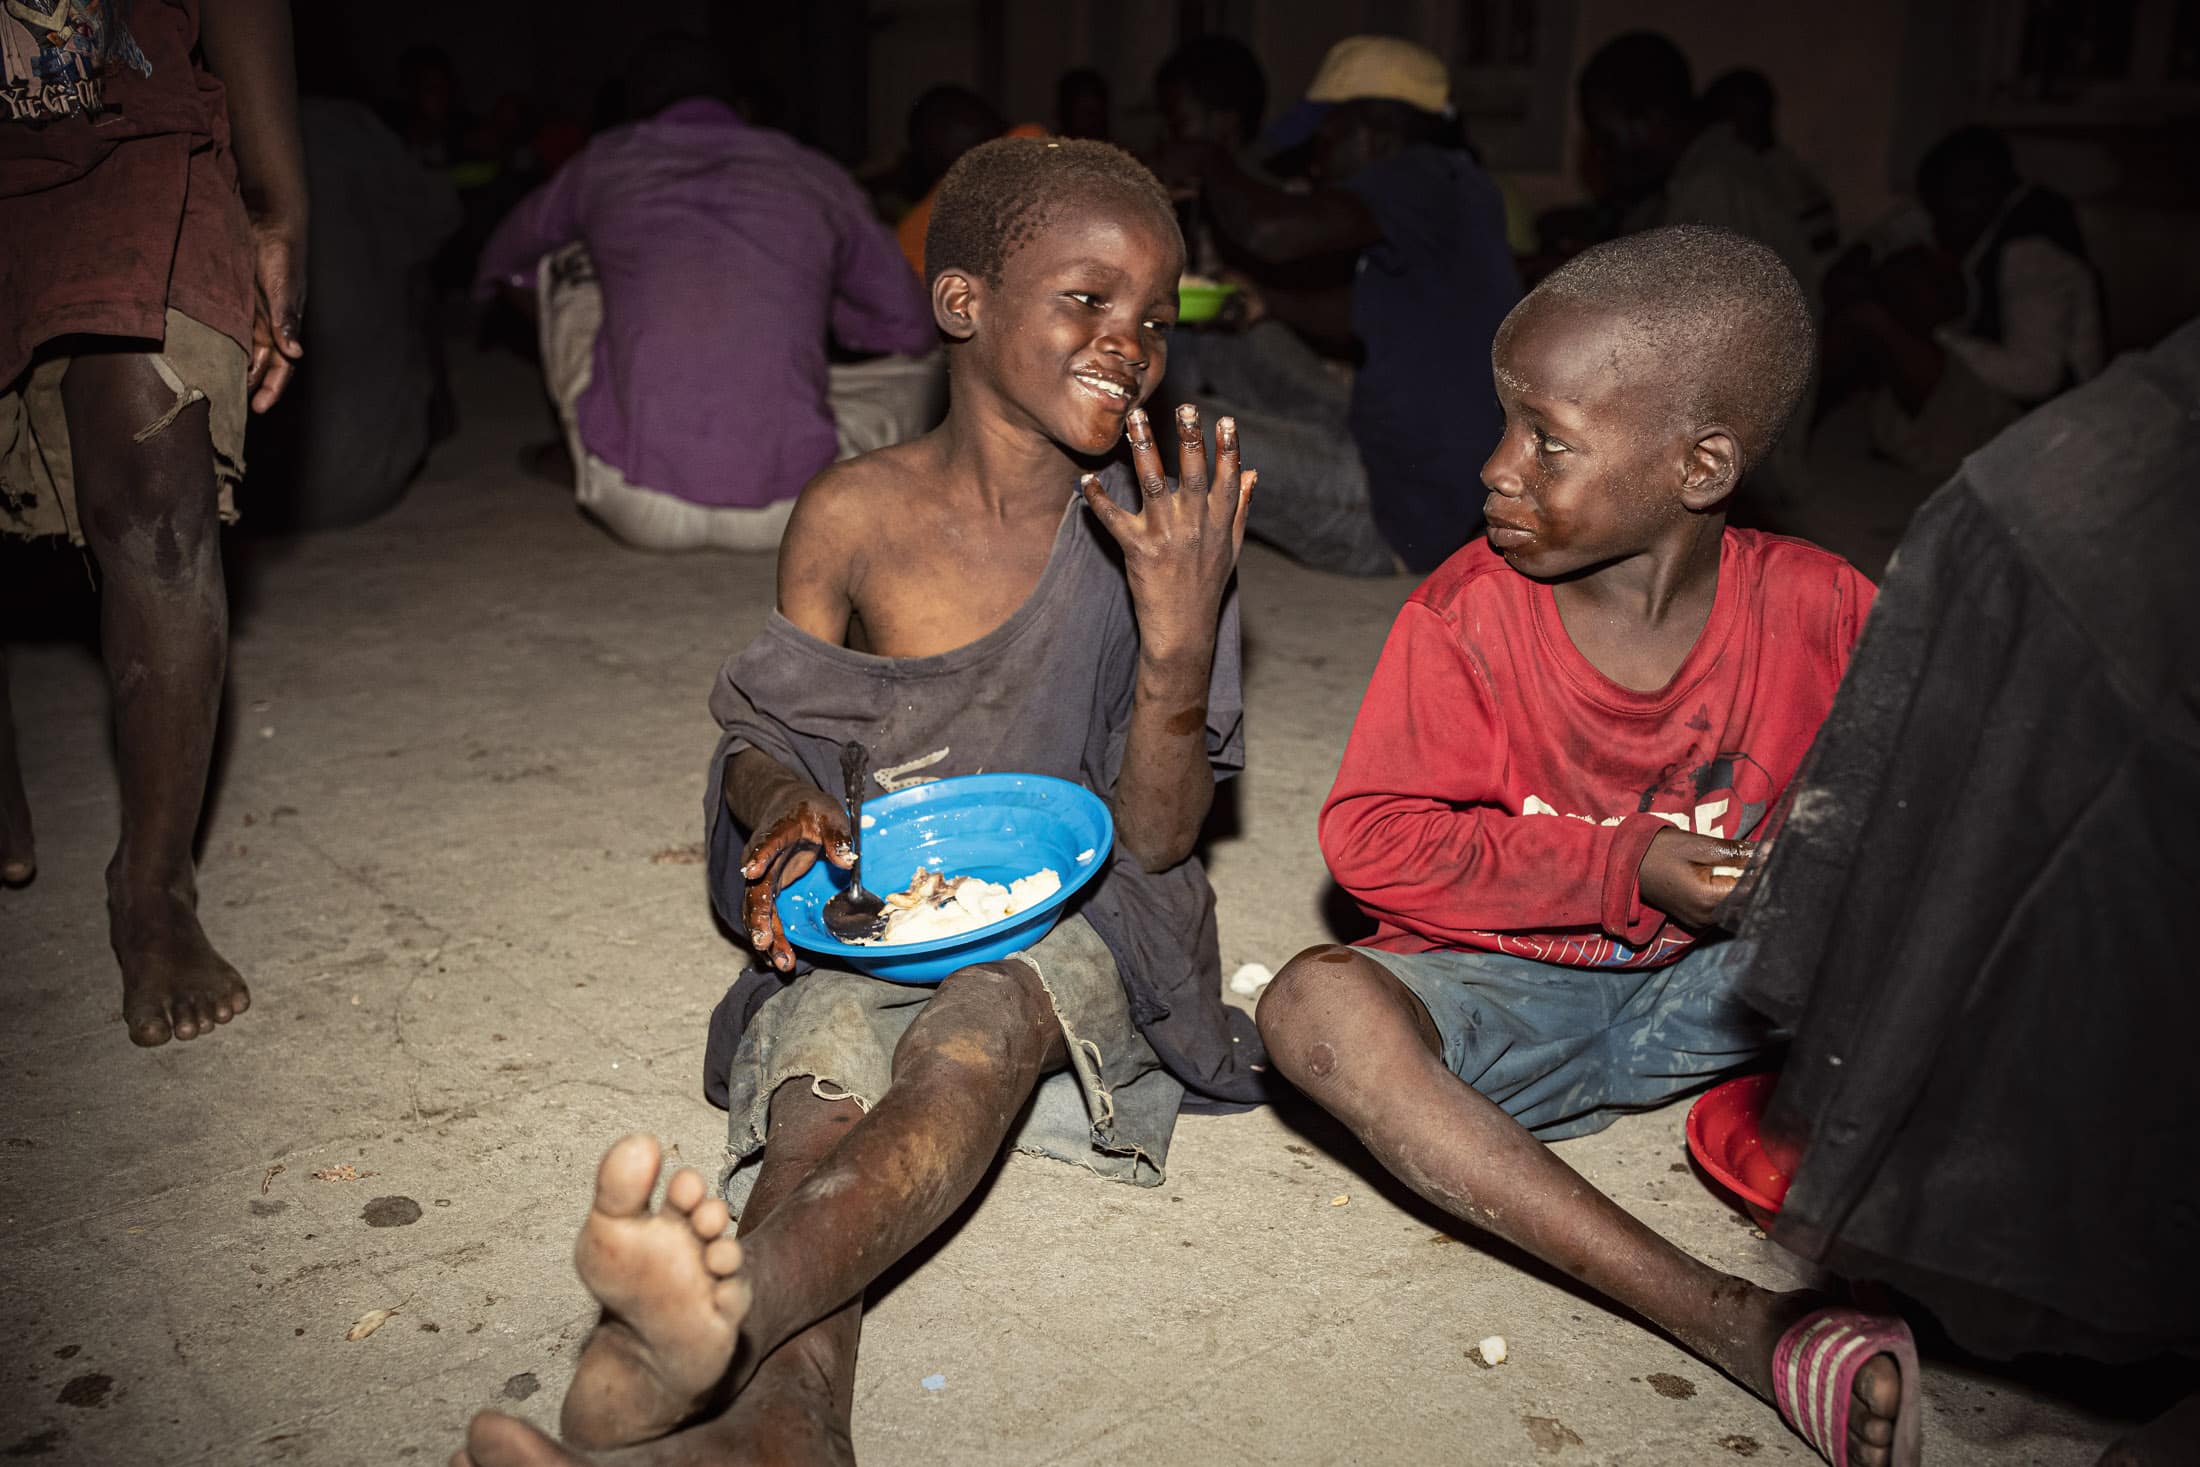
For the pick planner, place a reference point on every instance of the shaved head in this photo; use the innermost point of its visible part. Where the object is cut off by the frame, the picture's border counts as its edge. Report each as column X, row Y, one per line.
column 1713, row 315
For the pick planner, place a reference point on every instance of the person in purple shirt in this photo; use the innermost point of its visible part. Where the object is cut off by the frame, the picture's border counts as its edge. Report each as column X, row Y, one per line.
column 688, row 270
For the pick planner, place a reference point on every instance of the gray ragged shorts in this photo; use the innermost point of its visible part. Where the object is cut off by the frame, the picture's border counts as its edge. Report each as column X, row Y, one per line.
column 1112, row 1111
column 1566, row 1051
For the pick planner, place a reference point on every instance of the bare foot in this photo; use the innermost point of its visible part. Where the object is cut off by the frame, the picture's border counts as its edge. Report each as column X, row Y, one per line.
column 174, row 985
column 1875, row 1397
column 673, row 1303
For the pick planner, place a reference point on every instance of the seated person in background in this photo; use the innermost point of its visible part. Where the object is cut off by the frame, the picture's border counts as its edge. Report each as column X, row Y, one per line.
column 964, row 602
column 353, row 430
column 945, row 123
column 1211, row 90
column 1366, row 476
column 1965, row 311
column 1081, row 107
column 684, row 340
column 1656, row 156
column 1552, row 783
column 1743, row 99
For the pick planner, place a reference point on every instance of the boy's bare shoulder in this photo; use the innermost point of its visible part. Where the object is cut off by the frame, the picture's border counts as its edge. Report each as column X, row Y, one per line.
column 849, row 503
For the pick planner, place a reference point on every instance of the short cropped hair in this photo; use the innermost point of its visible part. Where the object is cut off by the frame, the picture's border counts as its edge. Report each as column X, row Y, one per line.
column 1000, row 194
column 1719, row 314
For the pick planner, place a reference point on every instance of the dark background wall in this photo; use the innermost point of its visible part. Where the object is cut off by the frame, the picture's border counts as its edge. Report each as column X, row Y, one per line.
column 2100, row 95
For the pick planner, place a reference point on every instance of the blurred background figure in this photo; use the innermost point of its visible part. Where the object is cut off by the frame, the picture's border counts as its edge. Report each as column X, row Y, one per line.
column 354, row 428
column 1211, row 90
column 1965, row 309
column 945, row 123
column 1743, row 100
column 1394, row 258
column 1654, row 157
column 1081, row 105
column 365, row 407
column 688, row 270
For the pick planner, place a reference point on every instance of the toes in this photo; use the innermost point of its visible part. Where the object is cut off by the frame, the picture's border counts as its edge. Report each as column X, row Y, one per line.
column 710, row 1219
column 151, row 1031
column 685, row 1189
column 722, row 1257
column 17, row 872
column 626, row 1175
column 1878, row 1389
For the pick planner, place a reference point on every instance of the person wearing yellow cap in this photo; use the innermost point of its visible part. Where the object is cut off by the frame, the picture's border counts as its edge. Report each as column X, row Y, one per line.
column 1408, row 232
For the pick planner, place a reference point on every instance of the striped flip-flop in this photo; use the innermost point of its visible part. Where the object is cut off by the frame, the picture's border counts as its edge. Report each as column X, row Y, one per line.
column 1814, row 1375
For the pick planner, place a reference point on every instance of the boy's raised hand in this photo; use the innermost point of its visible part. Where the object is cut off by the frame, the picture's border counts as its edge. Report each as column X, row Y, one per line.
column 1181, row 544
column 1680, row 874
column 779, row 854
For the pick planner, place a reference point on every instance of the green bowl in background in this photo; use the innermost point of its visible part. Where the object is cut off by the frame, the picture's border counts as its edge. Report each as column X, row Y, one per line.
column 1201, row 302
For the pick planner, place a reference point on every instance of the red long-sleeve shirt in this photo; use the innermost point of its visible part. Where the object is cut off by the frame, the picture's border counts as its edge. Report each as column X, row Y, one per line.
column 1498, row 792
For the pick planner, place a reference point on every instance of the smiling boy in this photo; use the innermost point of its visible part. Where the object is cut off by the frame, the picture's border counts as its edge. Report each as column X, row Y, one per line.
column 974, row 600
column 1574, row 730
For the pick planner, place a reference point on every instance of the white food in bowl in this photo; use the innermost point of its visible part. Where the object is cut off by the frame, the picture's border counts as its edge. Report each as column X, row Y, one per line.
column 933, row 906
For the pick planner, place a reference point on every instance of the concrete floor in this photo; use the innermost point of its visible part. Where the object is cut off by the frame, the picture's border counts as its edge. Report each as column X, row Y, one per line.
column 453, row 846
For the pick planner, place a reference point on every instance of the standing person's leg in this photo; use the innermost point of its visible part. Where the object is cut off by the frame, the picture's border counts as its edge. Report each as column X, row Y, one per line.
column 18, row 848
column 1358, row 1040
column 150, row 506
column 850, row 1197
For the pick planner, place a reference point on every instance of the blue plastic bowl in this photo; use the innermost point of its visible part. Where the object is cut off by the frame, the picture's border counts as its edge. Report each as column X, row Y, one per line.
column 995, row 826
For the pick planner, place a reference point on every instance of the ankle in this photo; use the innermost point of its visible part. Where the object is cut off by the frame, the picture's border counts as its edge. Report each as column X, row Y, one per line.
column 150, row 905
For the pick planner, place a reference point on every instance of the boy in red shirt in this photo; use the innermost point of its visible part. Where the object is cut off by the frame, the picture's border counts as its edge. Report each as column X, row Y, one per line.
column 1570, row 739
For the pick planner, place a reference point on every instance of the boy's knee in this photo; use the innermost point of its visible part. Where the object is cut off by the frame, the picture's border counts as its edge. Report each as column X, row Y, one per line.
column 1002, row 1010
column 1332, row 1010
column 1299, row 1011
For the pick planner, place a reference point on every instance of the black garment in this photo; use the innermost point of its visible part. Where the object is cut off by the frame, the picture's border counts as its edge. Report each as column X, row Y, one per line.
column 1046, row 692
column 1426, row 305
column 1975, row 919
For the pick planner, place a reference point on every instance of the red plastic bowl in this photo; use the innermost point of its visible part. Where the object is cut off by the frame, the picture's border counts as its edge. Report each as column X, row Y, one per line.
column 1723, row 1137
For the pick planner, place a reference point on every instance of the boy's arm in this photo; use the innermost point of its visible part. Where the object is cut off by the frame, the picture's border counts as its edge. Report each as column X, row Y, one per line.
column 790, row 820
column 1416, row 829
column 1179, row 551
column 247, row 44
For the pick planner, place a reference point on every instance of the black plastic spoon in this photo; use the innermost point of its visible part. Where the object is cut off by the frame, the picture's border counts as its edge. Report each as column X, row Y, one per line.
column 854, row 914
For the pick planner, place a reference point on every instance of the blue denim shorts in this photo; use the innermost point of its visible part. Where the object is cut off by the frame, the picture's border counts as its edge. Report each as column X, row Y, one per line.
column 1566, row 1051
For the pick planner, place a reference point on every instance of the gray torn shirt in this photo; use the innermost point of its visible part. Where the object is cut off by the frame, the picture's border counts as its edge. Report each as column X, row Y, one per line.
column 1046, row 692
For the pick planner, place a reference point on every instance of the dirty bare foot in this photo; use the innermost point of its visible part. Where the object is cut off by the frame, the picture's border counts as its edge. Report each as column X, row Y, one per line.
column 174, row 985
column 673, row 1302
column 1763, row 1317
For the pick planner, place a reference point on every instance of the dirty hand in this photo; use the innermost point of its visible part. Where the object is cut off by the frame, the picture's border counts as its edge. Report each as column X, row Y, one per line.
column 1182, row 543
column 777, row 855
column 278, row 307
column 1681, row 874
